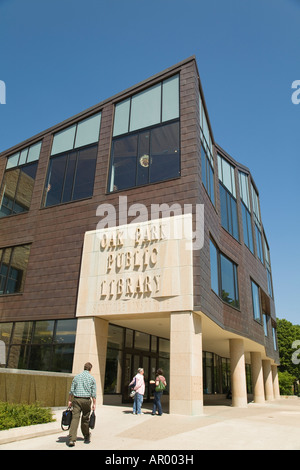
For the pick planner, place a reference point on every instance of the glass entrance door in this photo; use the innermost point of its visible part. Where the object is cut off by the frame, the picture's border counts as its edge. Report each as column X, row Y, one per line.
column 133, row 361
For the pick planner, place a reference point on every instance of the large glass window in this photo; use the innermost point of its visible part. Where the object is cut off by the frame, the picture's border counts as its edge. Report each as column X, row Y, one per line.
column 223, row 274
column 42, row 345
column 18, row 182
column 71, row 176
column 83, row 133
column 255, row 301
column 145, row 157
column 157, row 104
column 229, row 217
column 229, row 282
column 227, row 187
column 145, row 149
column 13, row 267
column 72, row 165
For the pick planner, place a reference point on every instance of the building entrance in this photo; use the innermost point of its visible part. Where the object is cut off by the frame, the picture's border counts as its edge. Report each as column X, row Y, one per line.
column 134, row 360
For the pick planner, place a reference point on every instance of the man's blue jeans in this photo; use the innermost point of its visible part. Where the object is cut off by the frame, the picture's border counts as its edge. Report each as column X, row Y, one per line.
column 157, row 403
column 137, row 403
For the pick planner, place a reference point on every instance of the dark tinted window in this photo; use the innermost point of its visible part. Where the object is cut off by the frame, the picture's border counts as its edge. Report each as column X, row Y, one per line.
column 71, row 176
column 145, row 157
column 229, row 281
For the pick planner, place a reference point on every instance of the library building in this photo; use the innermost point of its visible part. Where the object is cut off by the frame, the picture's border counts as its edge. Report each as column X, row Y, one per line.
column 130, row 238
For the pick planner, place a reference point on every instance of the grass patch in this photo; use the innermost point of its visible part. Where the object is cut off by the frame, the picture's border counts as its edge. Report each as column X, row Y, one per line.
column 14, row 415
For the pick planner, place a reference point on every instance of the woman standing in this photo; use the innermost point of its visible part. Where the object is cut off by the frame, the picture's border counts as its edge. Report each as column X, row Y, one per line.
column 139, row 388
column 160, row 385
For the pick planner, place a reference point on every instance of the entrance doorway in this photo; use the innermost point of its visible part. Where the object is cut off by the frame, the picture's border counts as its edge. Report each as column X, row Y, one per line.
column 127, row 350
column 134, row 360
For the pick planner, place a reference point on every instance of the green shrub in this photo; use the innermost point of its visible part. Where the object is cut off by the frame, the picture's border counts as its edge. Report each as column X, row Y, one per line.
column 16, row 415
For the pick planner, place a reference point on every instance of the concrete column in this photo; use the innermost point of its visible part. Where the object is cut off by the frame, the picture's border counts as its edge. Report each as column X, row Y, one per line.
column 268, row 381
column 90, row 346
column 238, row 373
column 257, row 377
column 186, row 380
column 276, row 390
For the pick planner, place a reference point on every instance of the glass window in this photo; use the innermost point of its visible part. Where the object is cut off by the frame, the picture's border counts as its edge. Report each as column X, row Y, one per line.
column 80, row 134
column 266, row 321
column 63, row 140
column 255, row 204
column 170, row 98
column 164, row 153
column 247, row 228
column 121, row 120
column 146, row 108
column 145, row 157
column 115, row 336
column 259, row 243
column 22, row 332
column 142, row 341
column 13, row 267
column 274, row 338
column 229, row 212
column 164, row 347
column 207, row 174
column 71, row 176
column 214, row 275
column 205, row 134
column 33, row 153
column 229, row 282
column 255, row 301
column 65, row 331
column 155, row 105
column 113, row 371
column 17, row 189
column 129, row 338
column 244, row 189
column 43, row 332
column 226, row 175
column 88, row 131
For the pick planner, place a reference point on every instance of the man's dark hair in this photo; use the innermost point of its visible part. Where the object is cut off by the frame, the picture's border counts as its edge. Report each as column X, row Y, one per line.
column 88, row 366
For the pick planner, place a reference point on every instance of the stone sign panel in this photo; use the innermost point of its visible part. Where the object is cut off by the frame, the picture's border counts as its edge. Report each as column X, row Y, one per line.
column 137, row 268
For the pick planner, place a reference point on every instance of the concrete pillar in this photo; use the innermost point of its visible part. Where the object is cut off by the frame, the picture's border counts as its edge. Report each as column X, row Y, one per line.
column 257, row 378
column 268, row 381
column 238, row 373
column 90, row 346
column 276, row 390
column 186, row 380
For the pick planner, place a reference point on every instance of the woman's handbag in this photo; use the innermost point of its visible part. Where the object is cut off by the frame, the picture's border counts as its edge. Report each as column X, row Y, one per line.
column 160, row 387
column 66, row 419
column 92, row 421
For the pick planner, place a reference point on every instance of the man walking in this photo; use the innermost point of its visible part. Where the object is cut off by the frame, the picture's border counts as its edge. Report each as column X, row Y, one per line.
column 83, row 389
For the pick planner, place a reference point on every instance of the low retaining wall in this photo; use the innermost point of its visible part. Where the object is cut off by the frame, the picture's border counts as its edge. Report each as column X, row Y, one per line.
column 29, row 386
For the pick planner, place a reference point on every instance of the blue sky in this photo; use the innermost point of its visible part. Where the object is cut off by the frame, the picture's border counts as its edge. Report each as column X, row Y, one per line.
column 59, row 57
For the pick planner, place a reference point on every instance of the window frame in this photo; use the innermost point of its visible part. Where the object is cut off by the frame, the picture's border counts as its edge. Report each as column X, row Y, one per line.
column 229, row 212
column 235, row 278
column 137, row 133
column 258, row 320
column 67, row 154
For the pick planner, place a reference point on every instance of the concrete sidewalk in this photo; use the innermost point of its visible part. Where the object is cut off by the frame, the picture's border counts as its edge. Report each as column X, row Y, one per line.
column 272, row 426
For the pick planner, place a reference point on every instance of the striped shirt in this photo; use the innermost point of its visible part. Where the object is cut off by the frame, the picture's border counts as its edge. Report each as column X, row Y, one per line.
column 83, row 385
